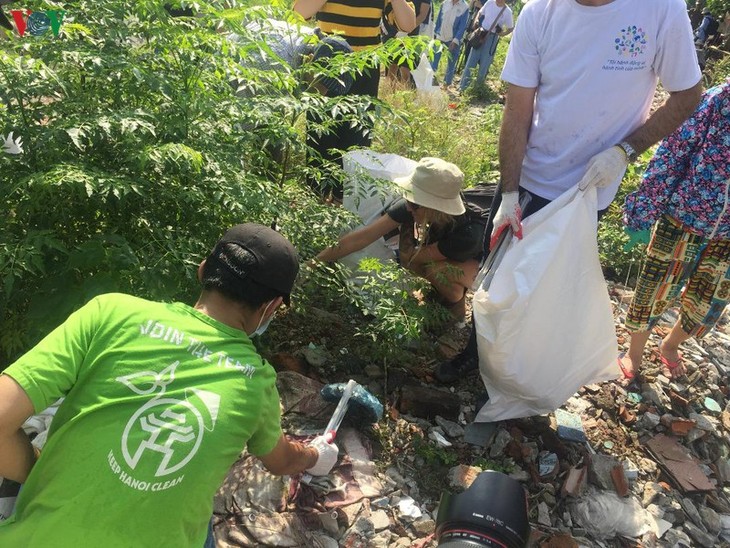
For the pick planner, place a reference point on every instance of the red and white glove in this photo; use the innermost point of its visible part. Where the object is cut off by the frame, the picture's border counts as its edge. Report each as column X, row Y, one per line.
column 604, row 168
column 327, row 458
column 508, row 214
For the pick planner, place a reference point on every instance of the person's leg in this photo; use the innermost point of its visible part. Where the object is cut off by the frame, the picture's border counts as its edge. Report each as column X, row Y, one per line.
column 630, row 361
column 669, row 258
column 471, row 62
column 327, row 148
column 366, row 83
column 436, row 60
column 451, row 280
column 487, row 56
column 323, row 152
column 702, row 303
column 450, row 66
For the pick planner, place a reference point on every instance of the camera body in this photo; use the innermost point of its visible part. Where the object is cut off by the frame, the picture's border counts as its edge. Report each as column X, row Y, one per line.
column 491, row 513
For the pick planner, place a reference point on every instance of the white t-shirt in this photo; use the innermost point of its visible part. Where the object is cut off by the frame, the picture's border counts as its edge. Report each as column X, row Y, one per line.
column 595, row 70
column 490, row 11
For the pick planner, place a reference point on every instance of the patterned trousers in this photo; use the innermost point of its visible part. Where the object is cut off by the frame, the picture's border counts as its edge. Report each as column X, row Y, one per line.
column 675, row 259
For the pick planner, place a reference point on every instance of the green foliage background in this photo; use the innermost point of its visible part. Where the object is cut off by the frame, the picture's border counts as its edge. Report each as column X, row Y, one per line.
column 146, row 136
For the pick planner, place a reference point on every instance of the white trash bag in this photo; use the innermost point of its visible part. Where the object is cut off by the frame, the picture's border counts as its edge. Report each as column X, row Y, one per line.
column 367, row 193
column 545, row 325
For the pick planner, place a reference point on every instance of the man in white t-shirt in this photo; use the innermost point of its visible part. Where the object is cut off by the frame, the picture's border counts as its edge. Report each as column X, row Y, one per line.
column 495, row 17
column 581, row 78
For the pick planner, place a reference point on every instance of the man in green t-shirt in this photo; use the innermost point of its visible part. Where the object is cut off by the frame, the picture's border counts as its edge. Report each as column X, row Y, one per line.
column 160, row 399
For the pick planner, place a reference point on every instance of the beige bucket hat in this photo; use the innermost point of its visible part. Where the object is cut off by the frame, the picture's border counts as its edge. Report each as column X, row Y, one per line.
column 434, row 183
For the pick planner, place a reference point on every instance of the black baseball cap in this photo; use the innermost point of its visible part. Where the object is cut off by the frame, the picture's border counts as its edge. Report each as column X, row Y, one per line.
column 277, row 262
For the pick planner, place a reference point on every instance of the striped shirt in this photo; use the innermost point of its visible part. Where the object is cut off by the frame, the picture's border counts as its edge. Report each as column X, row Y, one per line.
column 357, row 21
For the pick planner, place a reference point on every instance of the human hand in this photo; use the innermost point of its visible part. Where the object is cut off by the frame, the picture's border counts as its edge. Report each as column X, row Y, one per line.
column 604, row 168
column 327, row 458
column 453, row 46
column 636, row 237
column 508, row 214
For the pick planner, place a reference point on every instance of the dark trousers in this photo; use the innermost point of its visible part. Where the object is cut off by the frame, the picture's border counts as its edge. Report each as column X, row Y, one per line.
column 342, row 135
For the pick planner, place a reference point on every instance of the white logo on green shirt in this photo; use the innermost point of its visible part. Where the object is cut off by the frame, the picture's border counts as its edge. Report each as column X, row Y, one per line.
column 171, row 430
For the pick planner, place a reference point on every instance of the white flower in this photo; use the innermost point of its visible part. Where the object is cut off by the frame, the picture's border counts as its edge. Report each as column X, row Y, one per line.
column 10, row 145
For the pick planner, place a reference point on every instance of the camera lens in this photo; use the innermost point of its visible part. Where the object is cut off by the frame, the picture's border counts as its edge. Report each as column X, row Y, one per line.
column 492, row 513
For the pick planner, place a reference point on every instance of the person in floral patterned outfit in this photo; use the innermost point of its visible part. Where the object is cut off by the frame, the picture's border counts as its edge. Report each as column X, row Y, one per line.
column 685, row 197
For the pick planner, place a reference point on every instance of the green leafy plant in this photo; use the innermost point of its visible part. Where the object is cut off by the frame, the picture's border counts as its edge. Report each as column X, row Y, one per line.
column 432, row 454
column 505, row 466
column 145, row 136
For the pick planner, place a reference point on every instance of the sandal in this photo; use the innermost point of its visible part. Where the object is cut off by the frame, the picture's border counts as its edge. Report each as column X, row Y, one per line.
column 629, row 378
column 671, row 365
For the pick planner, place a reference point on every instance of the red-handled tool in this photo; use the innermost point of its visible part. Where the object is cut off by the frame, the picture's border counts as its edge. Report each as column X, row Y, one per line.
column 330, row 431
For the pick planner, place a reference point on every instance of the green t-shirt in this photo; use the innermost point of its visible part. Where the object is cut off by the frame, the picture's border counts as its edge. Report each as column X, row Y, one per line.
column 160, row 400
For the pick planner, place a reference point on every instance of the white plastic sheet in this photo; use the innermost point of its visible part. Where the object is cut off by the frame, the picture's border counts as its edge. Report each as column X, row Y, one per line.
column 367, row 193
column 423, row 76
column 605, row 515
column 545, row 326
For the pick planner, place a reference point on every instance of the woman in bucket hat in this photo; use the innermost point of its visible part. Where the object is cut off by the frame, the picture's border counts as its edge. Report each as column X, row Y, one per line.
column 441, row 237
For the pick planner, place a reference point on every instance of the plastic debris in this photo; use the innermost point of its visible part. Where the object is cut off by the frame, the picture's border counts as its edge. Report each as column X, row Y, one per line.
column 364, row 408
column 605, row 515
column 570, row 426
column 408, row 508
column 548, row 464
column 441, row 441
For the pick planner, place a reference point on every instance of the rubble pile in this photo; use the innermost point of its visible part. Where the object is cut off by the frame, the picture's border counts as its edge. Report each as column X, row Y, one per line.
column 644, row 466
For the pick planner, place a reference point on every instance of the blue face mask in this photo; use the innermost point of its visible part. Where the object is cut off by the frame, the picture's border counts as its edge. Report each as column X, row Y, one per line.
column 261, row 328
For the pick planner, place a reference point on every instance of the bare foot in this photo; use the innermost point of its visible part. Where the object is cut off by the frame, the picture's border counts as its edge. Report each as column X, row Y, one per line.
column 671, row 358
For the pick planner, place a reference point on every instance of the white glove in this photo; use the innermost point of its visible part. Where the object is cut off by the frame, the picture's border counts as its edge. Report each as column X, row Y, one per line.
column 328, row 453
column 11, row 146
column 605, row 168
column 508, row 214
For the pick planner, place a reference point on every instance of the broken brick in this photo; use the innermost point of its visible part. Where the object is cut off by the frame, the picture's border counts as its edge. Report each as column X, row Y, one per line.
column 619, row 481
column 681, row 427
column 574, row 482
column 626, row 416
